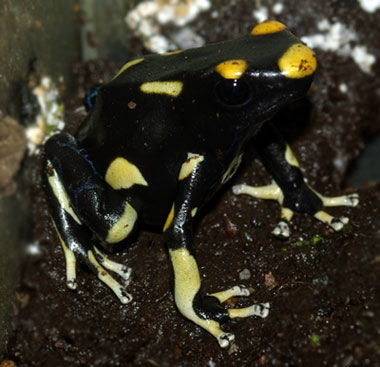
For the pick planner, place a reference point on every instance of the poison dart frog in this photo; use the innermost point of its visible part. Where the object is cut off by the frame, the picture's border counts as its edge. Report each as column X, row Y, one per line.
column 161, row 138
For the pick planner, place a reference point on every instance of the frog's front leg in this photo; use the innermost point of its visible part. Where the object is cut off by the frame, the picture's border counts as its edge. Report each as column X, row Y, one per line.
column 290, row 188
column 82, row 205
column 205, row 310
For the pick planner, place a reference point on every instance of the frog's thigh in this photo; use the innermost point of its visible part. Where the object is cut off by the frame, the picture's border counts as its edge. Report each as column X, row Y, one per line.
column 101, row 207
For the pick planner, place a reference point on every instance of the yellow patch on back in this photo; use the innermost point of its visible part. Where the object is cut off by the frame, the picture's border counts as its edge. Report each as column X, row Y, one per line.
column 232, row 69
column 128, row 65
column 298, row 61
column 123, row 226
column 169, row 219
column 122, row 174
column 188, row 166
column 171, row 88
column 270, row 26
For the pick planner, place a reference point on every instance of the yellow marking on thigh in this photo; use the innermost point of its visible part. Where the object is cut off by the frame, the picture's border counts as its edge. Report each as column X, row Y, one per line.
column 60, row 193
column 298, row 61
column 171, row 88
column 122, row 174
column 231, row 170
column 290, row 158
column 123, row 226
column 188, row 166
column 169, row 219
column 232, row 69
column 128, row 65
column 270, row 26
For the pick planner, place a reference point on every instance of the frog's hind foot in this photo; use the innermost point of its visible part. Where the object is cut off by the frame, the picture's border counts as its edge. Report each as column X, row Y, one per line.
column 261, row 309
column 209, row 307
column 306, row 200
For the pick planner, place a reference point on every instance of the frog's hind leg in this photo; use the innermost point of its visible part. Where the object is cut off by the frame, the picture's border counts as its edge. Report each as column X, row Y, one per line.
column 75, row 236
column 206, row 310
column 290, row 188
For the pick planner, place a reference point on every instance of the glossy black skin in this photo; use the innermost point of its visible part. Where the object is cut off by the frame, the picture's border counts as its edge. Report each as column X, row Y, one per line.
column 158, row 132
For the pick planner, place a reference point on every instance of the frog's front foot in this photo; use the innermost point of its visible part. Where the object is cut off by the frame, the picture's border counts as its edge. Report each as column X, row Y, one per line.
column 304, row 199
column 99, row 264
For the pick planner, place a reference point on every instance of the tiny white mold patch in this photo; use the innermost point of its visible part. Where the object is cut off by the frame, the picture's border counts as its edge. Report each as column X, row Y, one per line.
column 343, row 87
column 148, row 19
column 50, row 116
column 33, row 248
column 337, row 38
column 261, row 14
column 278, row 8
column 370, row 6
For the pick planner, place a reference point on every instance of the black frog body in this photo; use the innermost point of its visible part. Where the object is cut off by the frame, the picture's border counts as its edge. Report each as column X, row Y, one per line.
column 161, row 138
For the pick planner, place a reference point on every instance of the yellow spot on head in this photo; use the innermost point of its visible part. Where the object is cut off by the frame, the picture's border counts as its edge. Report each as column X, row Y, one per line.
column 169, row 219
column 270, row 26
column 171, row 88
column 122, row 174
column 188, row 166
column 128, row 65
column 298, row 61
column 232, row 69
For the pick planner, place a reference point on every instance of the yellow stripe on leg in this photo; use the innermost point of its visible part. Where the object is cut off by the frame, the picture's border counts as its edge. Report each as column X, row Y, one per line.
column 261, row 310
column 71, row 276
column 271, row 192
column 187, row 283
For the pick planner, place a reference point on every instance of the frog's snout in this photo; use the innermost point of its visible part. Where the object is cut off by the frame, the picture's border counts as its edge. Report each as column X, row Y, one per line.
column 298, row 61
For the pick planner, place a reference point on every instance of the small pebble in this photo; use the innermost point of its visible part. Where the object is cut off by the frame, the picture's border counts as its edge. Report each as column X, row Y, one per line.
column 244, row 274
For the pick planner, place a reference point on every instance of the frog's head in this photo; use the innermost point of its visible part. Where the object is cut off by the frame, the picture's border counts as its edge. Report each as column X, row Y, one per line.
column 264, row 71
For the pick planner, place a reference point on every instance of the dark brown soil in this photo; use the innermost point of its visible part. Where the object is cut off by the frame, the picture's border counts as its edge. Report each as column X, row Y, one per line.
column 323, row 286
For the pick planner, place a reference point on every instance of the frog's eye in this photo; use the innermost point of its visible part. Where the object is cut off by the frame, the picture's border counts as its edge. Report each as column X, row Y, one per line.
column 233, row 92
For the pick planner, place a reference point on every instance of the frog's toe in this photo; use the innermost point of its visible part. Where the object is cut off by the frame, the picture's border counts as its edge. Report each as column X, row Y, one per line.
column 282, row 229
column 106, row 278
column 335, row 223
column 236, row 291
column 353, row 199
column 225, row 339
column 260, row 310
column 343, row 200
column 122, row 270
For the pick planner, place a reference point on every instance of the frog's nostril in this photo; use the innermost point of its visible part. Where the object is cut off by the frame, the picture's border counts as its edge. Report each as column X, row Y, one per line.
column 297, row 62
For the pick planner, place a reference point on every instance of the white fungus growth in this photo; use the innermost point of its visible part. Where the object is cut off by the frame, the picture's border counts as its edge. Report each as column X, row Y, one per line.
column 337, row 38
column 278, row 8
column 370, row 6
column 50, row 116
column 148, row 19
column 260, row 14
